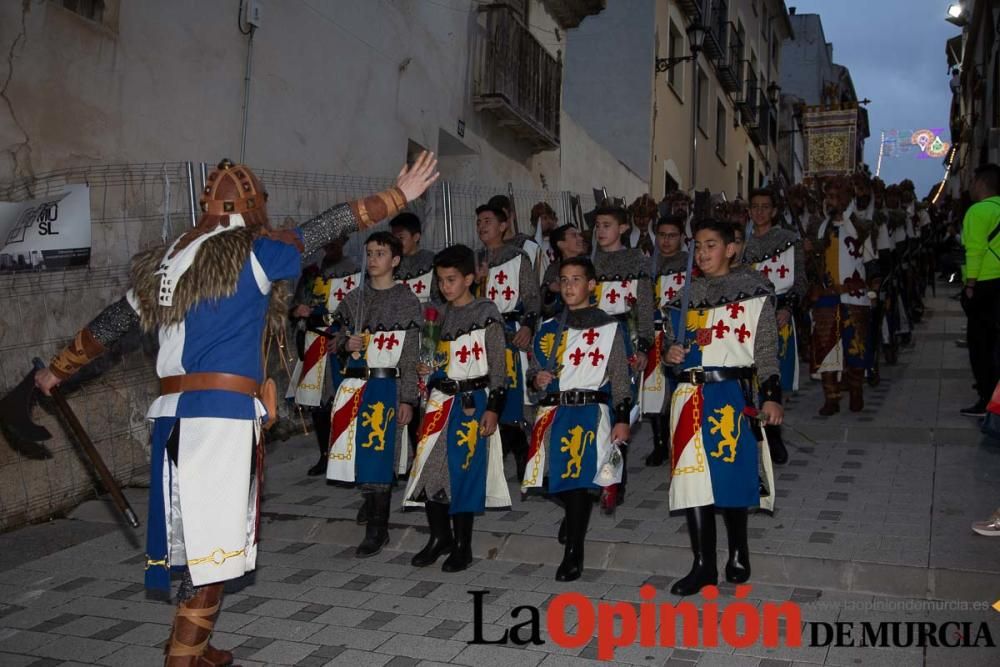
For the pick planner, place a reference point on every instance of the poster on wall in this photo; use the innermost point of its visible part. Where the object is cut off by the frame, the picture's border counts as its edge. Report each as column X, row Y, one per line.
column 49, row 234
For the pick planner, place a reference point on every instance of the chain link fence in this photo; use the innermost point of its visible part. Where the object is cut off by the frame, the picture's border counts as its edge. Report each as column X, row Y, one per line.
column 134, row 207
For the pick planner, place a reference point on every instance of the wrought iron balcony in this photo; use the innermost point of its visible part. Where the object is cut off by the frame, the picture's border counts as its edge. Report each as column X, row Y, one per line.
column 747, row 98
column 693, row 8
column 729, row 67
column 569, row 13
column 516, row 79
column 717, row 36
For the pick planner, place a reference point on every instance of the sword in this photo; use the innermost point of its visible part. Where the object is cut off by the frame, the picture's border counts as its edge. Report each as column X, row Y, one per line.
column 679, row 338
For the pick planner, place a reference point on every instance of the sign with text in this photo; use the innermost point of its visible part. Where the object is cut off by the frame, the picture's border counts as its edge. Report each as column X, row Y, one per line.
column 47, row 234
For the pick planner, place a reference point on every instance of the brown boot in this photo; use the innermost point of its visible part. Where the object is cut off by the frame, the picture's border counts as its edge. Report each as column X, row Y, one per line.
column 193, row 624
column 855, row 387
column 831, row 394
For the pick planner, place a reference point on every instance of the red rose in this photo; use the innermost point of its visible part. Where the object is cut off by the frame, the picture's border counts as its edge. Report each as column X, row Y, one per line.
column 431, row 314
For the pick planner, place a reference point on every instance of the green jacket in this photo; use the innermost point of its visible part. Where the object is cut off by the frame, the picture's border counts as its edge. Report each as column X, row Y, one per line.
column 982, row 259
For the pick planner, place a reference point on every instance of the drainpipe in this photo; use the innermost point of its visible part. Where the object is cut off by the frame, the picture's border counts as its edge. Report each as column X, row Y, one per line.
column 246, row 94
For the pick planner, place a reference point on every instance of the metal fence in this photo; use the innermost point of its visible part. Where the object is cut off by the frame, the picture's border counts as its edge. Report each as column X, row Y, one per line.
column 134, row 207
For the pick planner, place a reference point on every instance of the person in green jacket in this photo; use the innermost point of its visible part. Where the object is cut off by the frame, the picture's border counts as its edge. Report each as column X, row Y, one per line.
column 981, row 296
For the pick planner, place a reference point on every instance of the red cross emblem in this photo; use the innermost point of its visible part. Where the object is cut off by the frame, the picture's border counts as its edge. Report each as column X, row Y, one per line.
column 418, row 287
column 595, row 356
column 501, row 278
column 349, row 282
column 508, row 293
column 493, row 293
column 853, row 246
column 783, row 271
column 340, row 294
column 625, row 284
column 720, row 329
column 774, row 260
column 613, row 296
column 678, row 278
column 590, row 335
column 766, row 271
column 743, row 333
column 630, row 300
column 671, row 293
column 477, row 350
column 463, row 354
column 734, row 310
column 384, row 342
column 577, row 356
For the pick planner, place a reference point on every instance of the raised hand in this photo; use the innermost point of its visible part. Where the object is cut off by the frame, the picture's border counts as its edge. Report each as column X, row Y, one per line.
column 414, row 180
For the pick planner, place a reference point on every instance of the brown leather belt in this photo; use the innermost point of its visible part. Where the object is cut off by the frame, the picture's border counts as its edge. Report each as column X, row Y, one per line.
column 239, row 384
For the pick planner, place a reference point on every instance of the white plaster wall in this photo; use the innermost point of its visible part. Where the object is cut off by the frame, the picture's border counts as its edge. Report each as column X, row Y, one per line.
column 587, row 164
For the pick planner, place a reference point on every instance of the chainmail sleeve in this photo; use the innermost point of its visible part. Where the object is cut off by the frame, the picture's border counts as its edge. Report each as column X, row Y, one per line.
column 618, row 372
column 644, row 312
column 496, row 350
column 765, row 350
column 110, row 325
column 800, row 285
column 342, row 219
column 411, row 351
column 530, row 294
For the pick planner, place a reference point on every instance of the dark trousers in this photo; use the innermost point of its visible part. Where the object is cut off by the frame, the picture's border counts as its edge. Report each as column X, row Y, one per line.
column 983, row 335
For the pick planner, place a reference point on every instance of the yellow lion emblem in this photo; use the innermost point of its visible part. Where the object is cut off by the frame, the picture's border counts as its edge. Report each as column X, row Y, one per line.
column 469, row 439
column 574, row 445
column 512, row 368
column 726, row 427
column 378, row 419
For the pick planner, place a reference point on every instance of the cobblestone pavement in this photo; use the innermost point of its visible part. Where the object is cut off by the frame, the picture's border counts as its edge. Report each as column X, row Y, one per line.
column 872, row 524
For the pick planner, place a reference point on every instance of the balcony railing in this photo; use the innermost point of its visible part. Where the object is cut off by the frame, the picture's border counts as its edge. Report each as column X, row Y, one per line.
column 729, row 67
column 693, row 8
column 717, row 36
column 516, row 79
column 747, row 98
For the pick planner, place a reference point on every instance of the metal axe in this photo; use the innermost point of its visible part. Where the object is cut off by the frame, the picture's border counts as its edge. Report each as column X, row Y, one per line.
column 24, row 435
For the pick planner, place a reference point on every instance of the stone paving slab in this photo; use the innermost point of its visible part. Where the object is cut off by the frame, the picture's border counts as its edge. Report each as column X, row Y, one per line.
column 871, row 525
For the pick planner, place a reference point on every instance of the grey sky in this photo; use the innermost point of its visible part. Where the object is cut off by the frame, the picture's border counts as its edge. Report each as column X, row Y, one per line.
column 895, row 51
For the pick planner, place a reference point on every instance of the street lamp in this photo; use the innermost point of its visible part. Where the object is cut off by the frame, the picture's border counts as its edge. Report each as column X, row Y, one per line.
column 957, row 15
column 696, row 37
column 773, row 91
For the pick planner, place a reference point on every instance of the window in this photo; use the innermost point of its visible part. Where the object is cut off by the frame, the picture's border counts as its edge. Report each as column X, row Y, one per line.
column 753, row 6
column 775, row 52
column 675, row 46
column 765, row 24
column 88, row 9
column 752, row 168
column 739, row 181
column 701, row 112
column 720, row 130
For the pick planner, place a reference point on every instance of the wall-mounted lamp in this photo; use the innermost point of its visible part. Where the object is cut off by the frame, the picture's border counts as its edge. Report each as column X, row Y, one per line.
column 957, row 14
column 696, row 37
column 773, row 92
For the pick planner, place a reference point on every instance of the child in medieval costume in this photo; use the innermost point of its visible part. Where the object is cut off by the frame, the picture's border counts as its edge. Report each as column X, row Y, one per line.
column 625, row 292
column 207, row 294
column 317, row 374
column 642, row 235
column 567, row 241
column 841, row 305
column 376, row 400
column 580, row 364
column 529, row 244
column 458, row 467
column 730, row 331
column 777, row 254
column 544, row 220
column 658, row 385
column 507, row 279
column 416, row 267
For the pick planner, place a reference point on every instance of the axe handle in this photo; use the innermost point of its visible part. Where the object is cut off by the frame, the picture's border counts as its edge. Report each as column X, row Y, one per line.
column 95, row 457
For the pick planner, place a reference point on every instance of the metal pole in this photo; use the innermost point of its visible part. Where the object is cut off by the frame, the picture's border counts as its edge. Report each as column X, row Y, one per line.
column 246, row 95
column 694, row 123
column 881, row 149
column 204, row 175
column 191, row 199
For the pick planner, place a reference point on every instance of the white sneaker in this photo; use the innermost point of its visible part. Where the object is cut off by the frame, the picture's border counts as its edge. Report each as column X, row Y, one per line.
column 990, row 527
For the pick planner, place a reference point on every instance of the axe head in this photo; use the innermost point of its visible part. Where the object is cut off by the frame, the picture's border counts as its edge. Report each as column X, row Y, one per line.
column 15, row 415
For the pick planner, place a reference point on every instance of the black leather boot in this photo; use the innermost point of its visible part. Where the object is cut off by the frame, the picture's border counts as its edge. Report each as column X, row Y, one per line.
column 578, row 506
column 365, row 510
column 441, row 540
column 620, row 497
column 660, row 452
column 701, row 529
column 321, row 426
column 461, row 554
column 776, row 445
column 377, row 528
column 738, row 565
